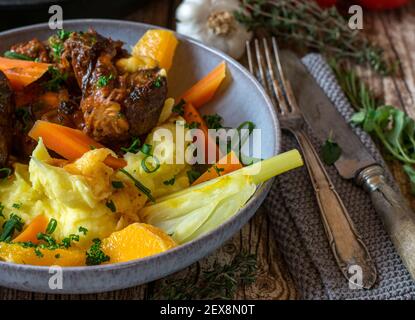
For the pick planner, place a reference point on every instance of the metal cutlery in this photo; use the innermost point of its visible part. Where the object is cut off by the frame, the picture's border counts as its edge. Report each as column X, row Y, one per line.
column 345, row 243
column 356, row 162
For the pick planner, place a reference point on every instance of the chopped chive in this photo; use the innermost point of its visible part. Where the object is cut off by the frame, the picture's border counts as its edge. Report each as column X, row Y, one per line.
column 110, row 205
column 139, row 185
column 179, row 108
column 218, row 170
column 117, row 184
column 83, row 230
column 15, row 55
column 134, row 147
column 154, row 166
column 17, row 205
column 146, row 149
column 193, row 175
column 6, row 172
column 51, row 226
column 170, row 182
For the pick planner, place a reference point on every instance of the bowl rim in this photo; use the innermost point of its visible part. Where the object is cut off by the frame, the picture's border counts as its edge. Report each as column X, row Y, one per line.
column 264, row 188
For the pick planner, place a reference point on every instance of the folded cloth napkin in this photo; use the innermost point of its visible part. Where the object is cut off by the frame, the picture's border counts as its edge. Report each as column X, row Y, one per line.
column 298, row 229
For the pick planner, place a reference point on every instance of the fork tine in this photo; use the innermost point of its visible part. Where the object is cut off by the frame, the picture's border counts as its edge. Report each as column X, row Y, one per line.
column 262, row 69
column 285, row 83
column 259, row 74
column 278, row 91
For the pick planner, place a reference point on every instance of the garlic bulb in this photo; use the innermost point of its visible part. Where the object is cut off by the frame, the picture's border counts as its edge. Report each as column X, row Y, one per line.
column 213, row 23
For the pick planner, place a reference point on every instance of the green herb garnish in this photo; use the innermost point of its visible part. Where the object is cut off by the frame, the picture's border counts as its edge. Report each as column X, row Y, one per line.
column 193, row 175
column 17, row 205
column 117, row 184
column 38, row 252
column 213, row 121
column 139, row 185
column 193, row 125
column 95, row 255
column 5, row 173
column 218, row 170
column 179, row 108
column 14, row 223
column 48, row 239
column 103, row 80
column 57, row 79
column 158, row 82
column 2, row 210
column 146, row 149
column 83, row 230
column 63, row 35
column 15, row 55
column 110, row 205
column 57, row 48
column 134, row 147
column 150, row 164
column 331, row 152
column 51, row 226
column 67, row 242
column 170, row 182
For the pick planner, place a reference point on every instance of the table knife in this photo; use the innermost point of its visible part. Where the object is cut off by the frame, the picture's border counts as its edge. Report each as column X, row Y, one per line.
column 355, row 161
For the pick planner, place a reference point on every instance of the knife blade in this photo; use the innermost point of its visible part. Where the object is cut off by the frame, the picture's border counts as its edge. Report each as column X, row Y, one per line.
column 324, row 118
column 355, row 162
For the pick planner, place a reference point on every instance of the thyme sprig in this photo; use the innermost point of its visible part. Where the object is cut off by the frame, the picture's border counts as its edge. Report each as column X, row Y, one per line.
column 304, row 23
column 219, row 282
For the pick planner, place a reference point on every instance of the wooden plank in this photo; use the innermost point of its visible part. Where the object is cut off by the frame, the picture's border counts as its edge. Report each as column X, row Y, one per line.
column 394, row 31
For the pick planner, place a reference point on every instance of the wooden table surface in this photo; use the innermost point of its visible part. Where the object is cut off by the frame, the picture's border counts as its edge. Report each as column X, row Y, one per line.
column 395, row 32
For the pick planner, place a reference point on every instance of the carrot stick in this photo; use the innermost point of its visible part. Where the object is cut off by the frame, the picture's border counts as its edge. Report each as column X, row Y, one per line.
column 22, row 73
column 227, row 164
column 69, row 143
column 38, row 224
column 191, row 115
column 203, row 91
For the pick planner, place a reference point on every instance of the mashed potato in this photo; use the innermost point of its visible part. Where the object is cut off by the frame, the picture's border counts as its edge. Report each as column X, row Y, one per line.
column 168, row 178
column 76, row 196
column 82, row 193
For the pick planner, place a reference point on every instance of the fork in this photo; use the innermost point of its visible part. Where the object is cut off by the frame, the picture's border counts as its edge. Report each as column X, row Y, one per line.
column 346, row 244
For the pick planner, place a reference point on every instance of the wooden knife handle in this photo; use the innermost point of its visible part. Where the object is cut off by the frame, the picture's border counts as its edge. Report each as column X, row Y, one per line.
column 347, row 246
column 398, row 218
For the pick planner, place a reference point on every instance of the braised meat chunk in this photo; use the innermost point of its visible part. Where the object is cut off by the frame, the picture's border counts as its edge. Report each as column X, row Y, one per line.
column 6, row 119
column 115, row 106
column 145, row 100
column 33, row 49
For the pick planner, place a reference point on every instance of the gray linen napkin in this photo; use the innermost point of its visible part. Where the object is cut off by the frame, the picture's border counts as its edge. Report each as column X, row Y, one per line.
column 299, row 232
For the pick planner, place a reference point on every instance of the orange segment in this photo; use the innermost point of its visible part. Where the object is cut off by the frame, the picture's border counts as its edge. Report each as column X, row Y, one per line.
column 136, row 241
column 159, row 45
column 61, row 257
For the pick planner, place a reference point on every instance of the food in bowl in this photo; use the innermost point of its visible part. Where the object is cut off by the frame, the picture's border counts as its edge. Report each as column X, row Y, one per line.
column 86, row 175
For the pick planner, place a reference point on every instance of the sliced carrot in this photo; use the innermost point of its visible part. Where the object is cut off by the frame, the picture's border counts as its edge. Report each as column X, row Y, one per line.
column 69, row 143
column 203, row 91
column 37, row 225
column 21, row 72
column 227, row 164
column 191, row 115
